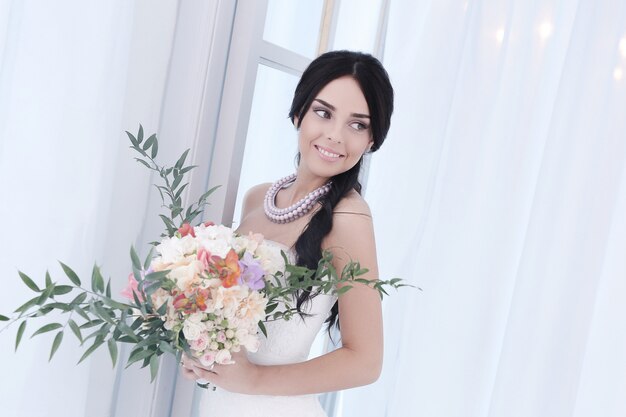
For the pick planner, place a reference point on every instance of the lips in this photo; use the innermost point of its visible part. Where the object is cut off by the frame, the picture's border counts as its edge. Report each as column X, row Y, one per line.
column 328, row 154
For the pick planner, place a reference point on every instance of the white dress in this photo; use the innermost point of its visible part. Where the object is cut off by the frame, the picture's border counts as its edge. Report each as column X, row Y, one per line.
column 287, row 342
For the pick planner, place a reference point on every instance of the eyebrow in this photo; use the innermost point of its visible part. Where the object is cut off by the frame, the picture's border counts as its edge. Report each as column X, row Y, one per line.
column 330, row 106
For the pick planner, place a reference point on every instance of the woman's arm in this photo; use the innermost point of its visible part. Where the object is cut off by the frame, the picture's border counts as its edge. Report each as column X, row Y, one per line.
column 359, row 360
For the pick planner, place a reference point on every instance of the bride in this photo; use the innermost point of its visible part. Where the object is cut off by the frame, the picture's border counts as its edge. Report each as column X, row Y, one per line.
column 342, row 109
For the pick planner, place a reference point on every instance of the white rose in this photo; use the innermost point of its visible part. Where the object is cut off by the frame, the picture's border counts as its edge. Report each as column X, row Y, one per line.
column 188, row 244
column 215, row 232
column 217, row 247
column 170, row 250
column 192, row 331
column 195, row 317
column 223, row 357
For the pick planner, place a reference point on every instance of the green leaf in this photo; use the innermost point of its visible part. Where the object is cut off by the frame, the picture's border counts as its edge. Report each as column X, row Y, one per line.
column 177, row 181
column 112, row 303
column 103, row 313
column 157, row 276
column 28, row 304
column 147, row 165
column 262, row 327
column 97, row 282
column 149, row 142
column 148, row 261
column 137, row 355
column 166, row 347
column 208, row 193
column 135, row 258
column 96, row 345
column 48, row 279
column 75, row 329
column 187, row 169
column 154, row 367
column 113, row 351
column 108, row 289
column 81, row 312
column 91, row 323
column 132, row 138
column 79, row 298
column 55, row 344
column 155, row 148
column 47, row 328
column 140, row 134
column 29, row 282
column 62, row 289
column 180, row 190
column 124, row 328
column 70, row 274
column 45, row 295
column 343, row 289
column 59, row 306
column 181, row 160
column 3, row 318
column 20, row 333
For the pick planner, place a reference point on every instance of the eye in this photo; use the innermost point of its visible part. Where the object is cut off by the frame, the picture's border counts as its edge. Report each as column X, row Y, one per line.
column 323, row 113
column 359, row 126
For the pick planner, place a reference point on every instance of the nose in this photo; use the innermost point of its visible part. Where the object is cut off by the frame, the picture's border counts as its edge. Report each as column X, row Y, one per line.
column 334, row 133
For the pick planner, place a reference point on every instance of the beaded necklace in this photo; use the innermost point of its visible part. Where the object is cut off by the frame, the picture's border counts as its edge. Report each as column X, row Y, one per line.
column 296, row 210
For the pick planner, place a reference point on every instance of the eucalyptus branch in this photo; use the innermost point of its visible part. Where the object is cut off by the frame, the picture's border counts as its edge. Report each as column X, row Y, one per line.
column 173, row 187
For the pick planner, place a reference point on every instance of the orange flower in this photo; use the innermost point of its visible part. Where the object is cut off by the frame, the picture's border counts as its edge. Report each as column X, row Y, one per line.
column 228, row 268
column 201, row 298
column 181, row 302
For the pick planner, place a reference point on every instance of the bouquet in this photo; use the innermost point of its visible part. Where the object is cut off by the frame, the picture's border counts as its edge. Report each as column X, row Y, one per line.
column 206, row 293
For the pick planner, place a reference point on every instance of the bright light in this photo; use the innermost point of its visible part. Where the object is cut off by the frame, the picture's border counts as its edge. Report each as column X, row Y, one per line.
column 618, row 73
column 500, row 35
column 545, row 29
column 465, row 6
column 622, row 46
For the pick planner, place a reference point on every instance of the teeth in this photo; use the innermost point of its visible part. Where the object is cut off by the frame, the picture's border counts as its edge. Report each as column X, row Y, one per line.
column 326, row 153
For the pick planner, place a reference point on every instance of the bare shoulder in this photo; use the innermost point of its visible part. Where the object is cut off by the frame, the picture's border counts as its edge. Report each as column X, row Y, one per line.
column 353, row 231
column 254, row 198
column 352, row 204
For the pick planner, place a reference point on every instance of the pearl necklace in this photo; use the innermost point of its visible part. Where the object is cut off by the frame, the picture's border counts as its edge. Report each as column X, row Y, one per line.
column 295, row 211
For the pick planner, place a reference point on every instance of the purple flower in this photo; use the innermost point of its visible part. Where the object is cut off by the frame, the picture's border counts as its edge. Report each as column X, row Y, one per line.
column 251, row 272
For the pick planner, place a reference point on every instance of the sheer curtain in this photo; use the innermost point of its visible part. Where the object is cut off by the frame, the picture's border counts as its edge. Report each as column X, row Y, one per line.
column 506, row 165
column 73, row 76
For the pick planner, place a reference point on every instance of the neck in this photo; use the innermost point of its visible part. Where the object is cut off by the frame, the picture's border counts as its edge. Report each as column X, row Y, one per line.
column 305, row 183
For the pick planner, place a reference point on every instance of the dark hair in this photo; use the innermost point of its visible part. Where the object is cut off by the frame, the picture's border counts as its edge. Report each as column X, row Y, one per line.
column 369, row 73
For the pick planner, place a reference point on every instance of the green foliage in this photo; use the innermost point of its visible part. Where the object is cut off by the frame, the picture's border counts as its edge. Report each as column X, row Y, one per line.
column 174, row 185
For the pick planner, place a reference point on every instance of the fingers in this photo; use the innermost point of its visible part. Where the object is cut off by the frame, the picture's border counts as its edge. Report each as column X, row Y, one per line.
column 189, row 374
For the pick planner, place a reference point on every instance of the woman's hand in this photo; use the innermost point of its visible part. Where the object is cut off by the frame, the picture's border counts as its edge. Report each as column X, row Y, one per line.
column 242, row 376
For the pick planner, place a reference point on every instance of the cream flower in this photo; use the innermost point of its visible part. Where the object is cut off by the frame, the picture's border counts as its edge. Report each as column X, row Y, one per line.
column 186, row 276
column 192, row 331
column 270, row 258
column 223, row 357
column 252, row 308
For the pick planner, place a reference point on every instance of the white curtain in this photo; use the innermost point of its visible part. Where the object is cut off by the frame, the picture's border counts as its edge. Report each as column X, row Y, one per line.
column 501, row 192
column 73, row 76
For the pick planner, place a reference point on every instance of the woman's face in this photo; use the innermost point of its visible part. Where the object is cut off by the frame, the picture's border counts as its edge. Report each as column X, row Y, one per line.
column 335, row 131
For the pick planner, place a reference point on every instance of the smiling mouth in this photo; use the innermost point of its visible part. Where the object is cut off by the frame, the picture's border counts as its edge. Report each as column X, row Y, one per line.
column 328, row 154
